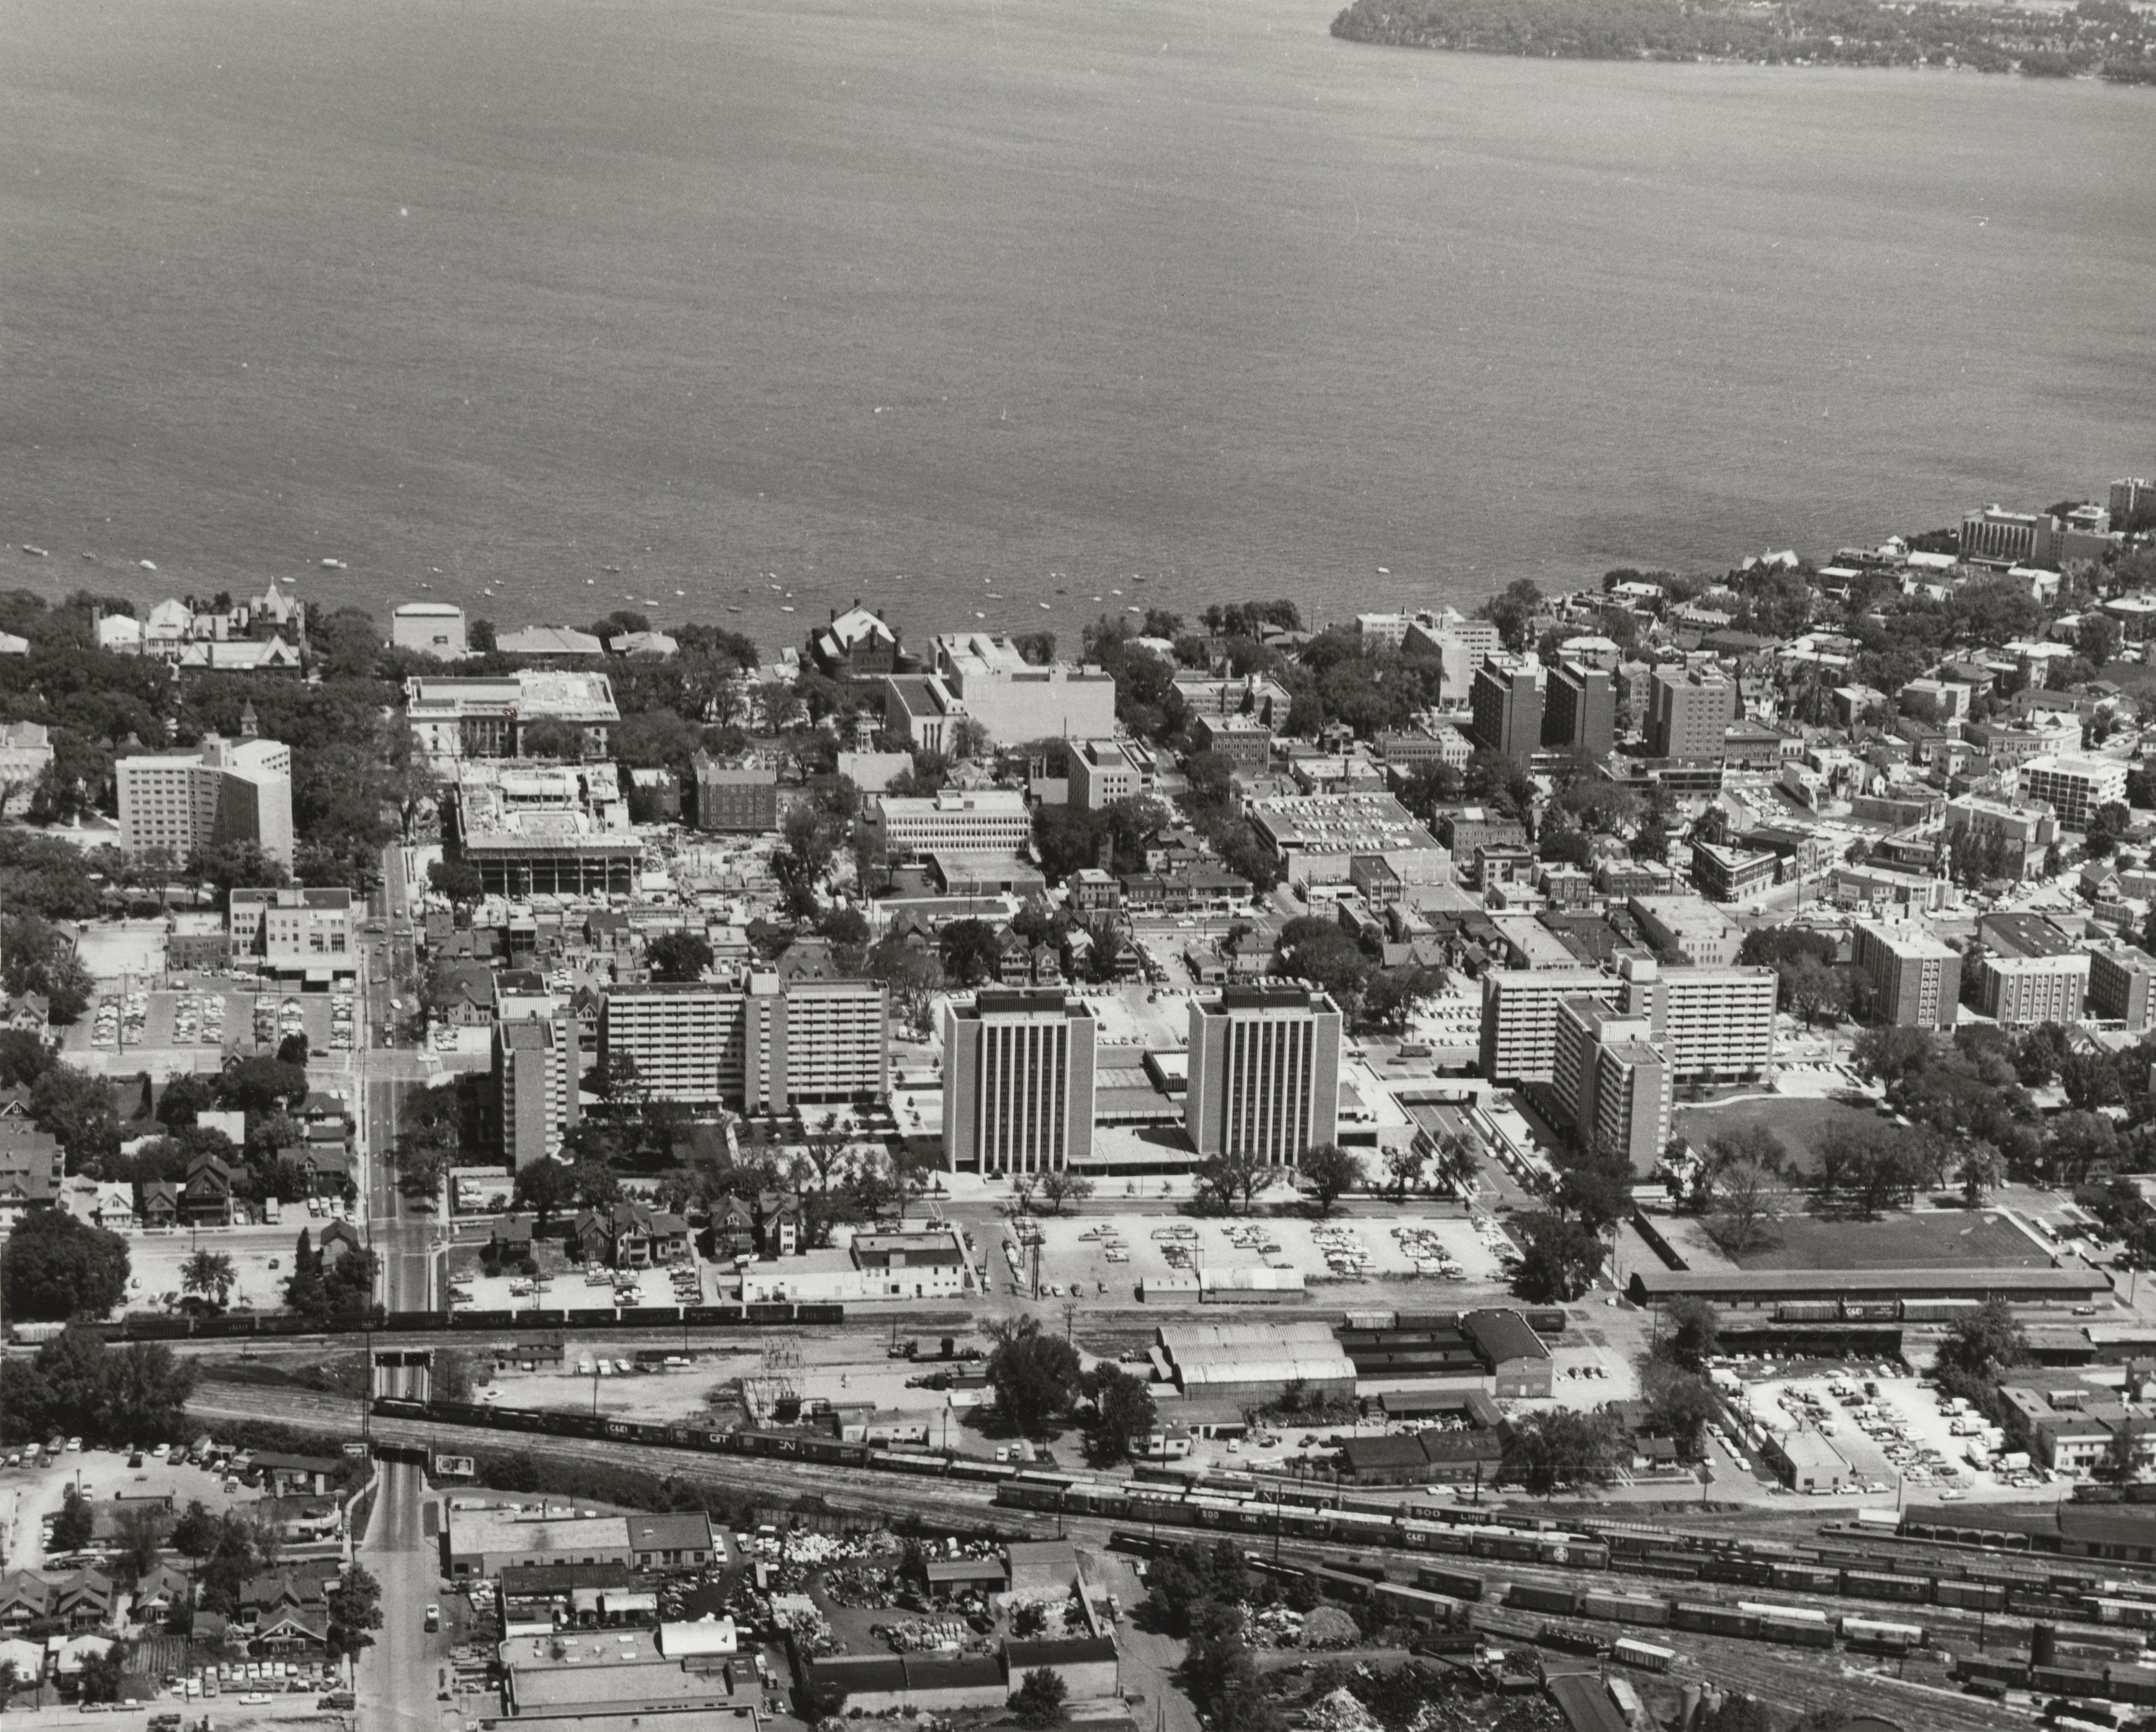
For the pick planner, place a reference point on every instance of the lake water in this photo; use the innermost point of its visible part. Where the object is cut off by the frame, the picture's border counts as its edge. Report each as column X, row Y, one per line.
column 1017, row 299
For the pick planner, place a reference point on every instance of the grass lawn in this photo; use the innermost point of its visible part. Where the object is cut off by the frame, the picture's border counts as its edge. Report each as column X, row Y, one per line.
column 1980, row 1239
column 1802, row 1122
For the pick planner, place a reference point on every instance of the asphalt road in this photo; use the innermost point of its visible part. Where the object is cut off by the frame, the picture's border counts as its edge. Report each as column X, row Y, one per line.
column 399, row 1677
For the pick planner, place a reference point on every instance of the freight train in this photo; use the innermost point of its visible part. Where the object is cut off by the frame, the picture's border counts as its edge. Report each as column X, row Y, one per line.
column 1231, row 1503
column 139, row 1327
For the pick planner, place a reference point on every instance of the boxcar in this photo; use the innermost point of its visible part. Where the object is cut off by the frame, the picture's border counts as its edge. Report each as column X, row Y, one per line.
column 1645, row 1655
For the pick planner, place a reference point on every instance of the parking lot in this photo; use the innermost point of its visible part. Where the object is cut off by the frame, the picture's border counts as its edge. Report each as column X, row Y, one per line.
column 261, row 1257
column 472, row 1288
column 29, row 1495
column 207, row 1015
column 1895, row 1434
column 1090, row 1252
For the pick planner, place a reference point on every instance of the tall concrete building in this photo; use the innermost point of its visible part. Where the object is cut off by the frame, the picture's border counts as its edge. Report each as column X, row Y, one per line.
column 1690, row 712
column 224, row 792
column 1917, row 978
column 1610, row 1081
column 1458, row 643
column 1103, row 771
column 1579, row 713
column 983, row 820
column 1018, row 1082
column 1710, row 1024
column 775, row 1045
column 1265, row 1073
column 2122, row 987
column 1507, row 701
column 536, row 1083
column 1520, row 1011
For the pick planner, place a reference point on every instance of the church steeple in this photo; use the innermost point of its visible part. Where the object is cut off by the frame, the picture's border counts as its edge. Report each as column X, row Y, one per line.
column 248, row 728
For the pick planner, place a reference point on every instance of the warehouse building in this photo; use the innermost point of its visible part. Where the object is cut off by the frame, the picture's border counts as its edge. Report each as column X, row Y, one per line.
column 1761, row 1287
column 485, row 1541
column 1237, row 1361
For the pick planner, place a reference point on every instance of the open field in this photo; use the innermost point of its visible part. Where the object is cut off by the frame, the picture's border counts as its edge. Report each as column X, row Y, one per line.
column 1944, row 1239
column 1801, row 1123
column 261, row 1257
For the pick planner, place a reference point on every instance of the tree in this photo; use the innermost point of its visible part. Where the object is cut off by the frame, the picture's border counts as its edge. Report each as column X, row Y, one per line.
column 1039, row 1703
column 1059, row 1185
column 209, row 1275
column 1980, row 1169
column 1459, row 1163
column 141, row 1532
column 421, row 1157
column 264, row 1085
column 1817, row 993
column 76, row 1108
column 561, row 741
column 1691, row 1334
column 1679, row 1405
column 293, row 1050
column 195, row 1534
column 1122, row 1412
column 1225, row 1179
column 971, row 952
column 1738, row 1713
column 56, row 1267
column 678, row 955
column 1034, row 1375
column 1405, row 1161
column 355, row 1609
column 1741, row 1177
column 74, row 1527
column 1331, row 1172
column 99, row 1679
column 1513, row 613
column 459, row 883
column 1544, row 1451
column 1559, row 1258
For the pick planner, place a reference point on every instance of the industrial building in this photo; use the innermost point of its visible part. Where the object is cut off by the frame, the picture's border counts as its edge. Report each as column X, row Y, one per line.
column 1265, row 1073
column 1238, row 1362
column 1917, row 978
column 1315, row 836
column 1018, row 1082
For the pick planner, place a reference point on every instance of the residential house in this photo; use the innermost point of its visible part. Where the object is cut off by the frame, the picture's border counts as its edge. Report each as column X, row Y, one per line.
column 160, row 1205
column 779, row 1230
column 206, row 1196
column 335, row 1239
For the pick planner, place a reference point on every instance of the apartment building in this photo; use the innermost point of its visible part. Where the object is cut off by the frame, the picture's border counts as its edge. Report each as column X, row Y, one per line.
column 2122, row 986
column 2022, row 992
column 1915, row 978
column 1520, row 1012
column 536, row 1079
column 2075, row 787
column 223, row 792
column 985, row 821
column 1507, row 699
column 1018, row 1082
column 1714, row 1025
column 765, row 1048
column 1265, row 1073
column 1580, row 711
column 1610, row 1082
column 1689, row 711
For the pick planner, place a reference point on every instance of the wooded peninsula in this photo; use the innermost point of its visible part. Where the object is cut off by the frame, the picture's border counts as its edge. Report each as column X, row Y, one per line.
column 2097, row 38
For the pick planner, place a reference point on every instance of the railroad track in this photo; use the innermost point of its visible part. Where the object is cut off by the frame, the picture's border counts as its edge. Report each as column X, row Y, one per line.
column 875, row 1498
